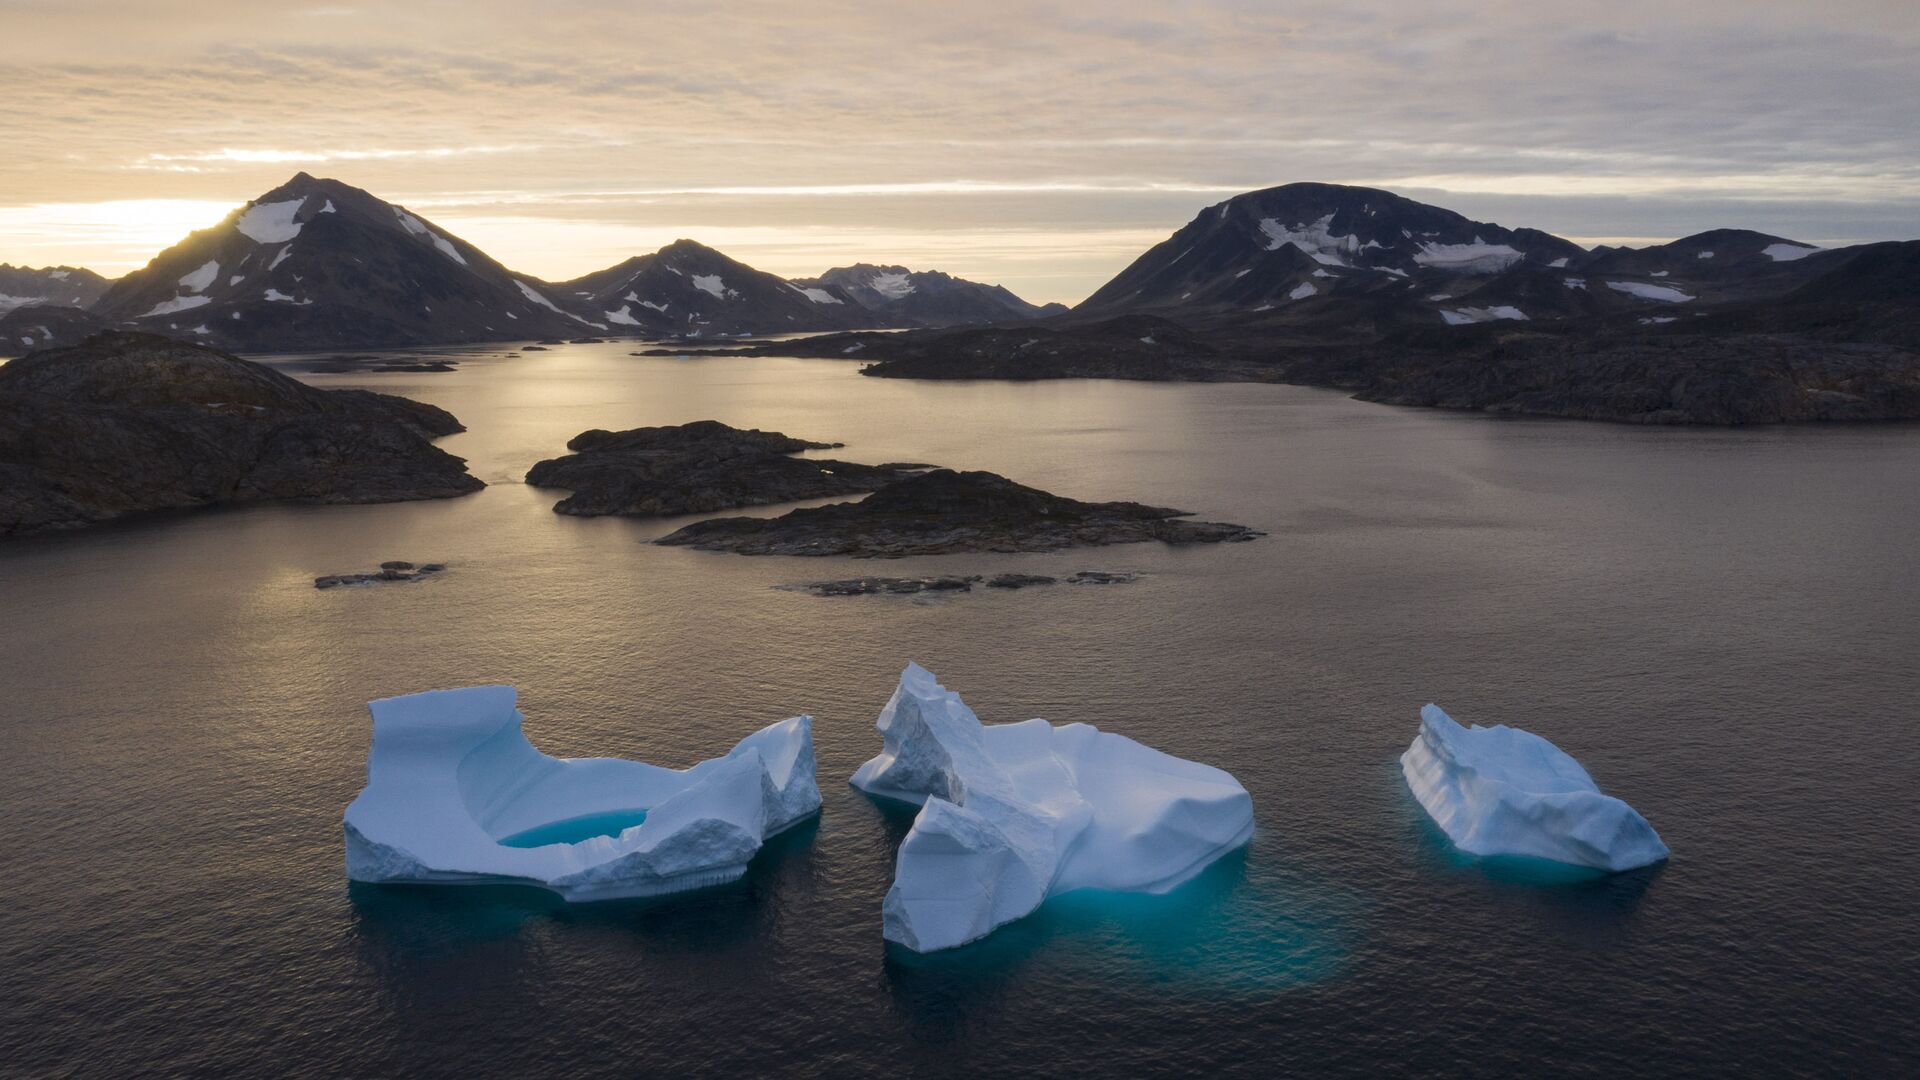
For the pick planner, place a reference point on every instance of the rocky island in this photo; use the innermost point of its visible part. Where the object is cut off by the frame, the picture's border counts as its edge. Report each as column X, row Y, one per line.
column 699, row 468
column 128, row 422
column 946, row 512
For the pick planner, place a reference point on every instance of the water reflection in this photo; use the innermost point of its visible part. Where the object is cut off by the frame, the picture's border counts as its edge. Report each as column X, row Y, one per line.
column 1243, row 928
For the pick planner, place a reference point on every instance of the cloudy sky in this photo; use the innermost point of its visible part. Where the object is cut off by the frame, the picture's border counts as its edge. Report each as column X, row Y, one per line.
column 1036, row 145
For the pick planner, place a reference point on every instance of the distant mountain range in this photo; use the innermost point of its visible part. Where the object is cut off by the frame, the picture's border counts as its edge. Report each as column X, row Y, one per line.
column 902, row 297
column 317, row 264
column 70, row 286
column 1315, row 283
column 1407, row 303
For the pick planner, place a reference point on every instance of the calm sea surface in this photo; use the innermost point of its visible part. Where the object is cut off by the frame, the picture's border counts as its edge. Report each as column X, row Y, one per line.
column 1722, row 625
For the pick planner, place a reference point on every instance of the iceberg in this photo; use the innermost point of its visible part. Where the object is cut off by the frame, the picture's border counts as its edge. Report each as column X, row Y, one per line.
column 456, row 794
column 1014, row 813
column 1503, row 791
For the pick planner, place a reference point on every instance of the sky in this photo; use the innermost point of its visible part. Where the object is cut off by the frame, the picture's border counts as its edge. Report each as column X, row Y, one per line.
column 1040, row 146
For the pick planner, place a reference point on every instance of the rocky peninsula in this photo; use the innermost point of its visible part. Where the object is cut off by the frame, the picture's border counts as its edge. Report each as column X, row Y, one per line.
column 126, row 423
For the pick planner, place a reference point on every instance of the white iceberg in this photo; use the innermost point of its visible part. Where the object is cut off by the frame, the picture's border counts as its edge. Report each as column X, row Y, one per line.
column 455, row 793
column 1014, row 813
column 1503, row 791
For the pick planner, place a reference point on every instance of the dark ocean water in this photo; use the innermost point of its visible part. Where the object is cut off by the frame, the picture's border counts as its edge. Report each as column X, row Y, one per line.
column 1722, row 625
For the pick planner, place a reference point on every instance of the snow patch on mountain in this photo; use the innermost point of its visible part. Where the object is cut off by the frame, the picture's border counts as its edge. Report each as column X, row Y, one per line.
column 419, row 228
column 711, row 283
column 1664, row 293
column 271, row 223
column 893, row 286
column 624, row 316
column 1478, row 257
column 201, row 278
column 1302, row 291
column 1465, row 316
column 178, row 303
column 280, row 257
column 818, row 296
column 1787, row 252
column 1316, row 240
column 529, row 292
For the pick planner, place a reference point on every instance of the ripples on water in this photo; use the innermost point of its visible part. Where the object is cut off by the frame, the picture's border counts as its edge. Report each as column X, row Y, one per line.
column 1719, row 624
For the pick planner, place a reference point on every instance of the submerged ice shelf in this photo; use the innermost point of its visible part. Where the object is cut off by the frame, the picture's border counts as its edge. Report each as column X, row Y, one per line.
column 455, row 793
column 1503, row 791
column 1014, row 813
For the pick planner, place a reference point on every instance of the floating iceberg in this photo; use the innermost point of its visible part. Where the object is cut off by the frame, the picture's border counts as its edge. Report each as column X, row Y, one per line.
column 1014, row 813
column 455, row 793
column 1503, row 791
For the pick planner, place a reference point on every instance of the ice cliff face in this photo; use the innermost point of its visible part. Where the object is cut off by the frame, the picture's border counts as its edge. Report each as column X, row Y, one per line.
column 1014, row 813
column 1502, row 791
column 450, row 777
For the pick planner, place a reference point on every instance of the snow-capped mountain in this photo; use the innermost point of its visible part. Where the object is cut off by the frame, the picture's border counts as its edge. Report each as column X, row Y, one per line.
column 689, row 289
column 1265, row 249
column 70, row 286
column 897, row 296
column 317, row 264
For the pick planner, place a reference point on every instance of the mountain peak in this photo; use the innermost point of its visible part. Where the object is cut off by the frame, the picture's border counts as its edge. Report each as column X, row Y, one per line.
column 1267, row 249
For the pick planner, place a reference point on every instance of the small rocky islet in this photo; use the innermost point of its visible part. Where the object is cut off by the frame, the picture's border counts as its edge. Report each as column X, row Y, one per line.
column 699, row 468
column 944, row 512
column 390, row 571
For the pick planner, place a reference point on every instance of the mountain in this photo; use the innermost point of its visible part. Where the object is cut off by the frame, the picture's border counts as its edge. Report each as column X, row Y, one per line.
column 897, row 296
column 69, row 286
column 1267, row 249
column 316, row 264
column 690, row 290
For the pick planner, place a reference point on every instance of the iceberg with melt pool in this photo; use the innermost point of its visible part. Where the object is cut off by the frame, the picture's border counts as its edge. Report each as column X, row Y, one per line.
column 1503, row 791
column 456, row 794
column 1014, row 813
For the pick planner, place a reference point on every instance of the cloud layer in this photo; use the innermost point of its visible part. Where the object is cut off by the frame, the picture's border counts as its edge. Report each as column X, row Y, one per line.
column 1013, row 142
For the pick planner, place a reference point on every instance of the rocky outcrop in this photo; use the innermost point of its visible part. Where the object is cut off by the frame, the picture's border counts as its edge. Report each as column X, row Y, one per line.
column 392, row 570
column 127, row 423
column 698, row 468
column 944, row 512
